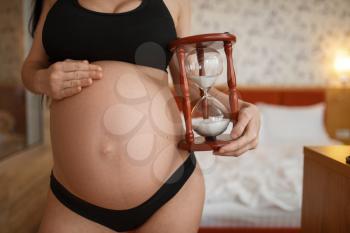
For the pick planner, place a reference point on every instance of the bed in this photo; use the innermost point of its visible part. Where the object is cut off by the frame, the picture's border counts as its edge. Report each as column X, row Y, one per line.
column 261, row 190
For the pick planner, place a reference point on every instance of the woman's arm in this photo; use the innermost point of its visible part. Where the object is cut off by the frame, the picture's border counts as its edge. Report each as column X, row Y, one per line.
column 183, row 29
column 58, row 80
column 37, row 58
column 246, row 130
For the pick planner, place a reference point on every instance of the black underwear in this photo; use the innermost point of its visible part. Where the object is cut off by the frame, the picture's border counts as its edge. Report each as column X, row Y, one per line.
column 128, row 219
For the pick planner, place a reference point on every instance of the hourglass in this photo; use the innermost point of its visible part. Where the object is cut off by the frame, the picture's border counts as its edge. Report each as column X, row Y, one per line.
column 200, row 62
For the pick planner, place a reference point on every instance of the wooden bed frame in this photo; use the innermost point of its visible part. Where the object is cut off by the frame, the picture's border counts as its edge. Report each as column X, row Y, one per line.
column 12, row 100
column 298, row 96
column 282, row 96
column 287, row 96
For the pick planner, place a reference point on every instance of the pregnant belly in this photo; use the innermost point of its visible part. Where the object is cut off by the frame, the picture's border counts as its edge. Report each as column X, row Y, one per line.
column 114, row 143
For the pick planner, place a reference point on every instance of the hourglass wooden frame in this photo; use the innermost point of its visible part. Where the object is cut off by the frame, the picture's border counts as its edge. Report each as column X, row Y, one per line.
column 184, row 45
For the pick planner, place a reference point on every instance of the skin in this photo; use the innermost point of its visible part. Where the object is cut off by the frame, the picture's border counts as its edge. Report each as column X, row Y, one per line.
column 115, row 148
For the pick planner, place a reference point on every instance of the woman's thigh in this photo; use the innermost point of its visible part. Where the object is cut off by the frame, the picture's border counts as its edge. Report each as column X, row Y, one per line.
column 59, row 219
column 183, row 212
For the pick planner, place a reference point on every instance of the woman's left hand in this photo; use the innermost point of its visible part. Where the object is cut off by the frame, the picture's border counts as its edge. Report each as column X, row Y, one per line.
column 246, row 132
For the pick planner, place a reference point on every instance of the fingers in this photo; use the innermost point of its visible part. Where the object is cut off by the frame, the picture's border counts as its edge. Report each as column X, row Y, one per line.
column 247, row 131
column 83, row 75
column 241, row 150
column 77, row 82
column 68, row 77
column 78, row 70
column 236, row 146
column 243, row 120
column 71, row 60
column 71, row 65
column 71, row 91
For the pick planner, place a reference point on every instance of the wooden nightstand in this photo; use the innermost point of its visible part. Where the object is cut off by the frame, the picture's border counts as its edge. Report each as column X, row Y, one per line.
column 338, row 113
column 326, row 190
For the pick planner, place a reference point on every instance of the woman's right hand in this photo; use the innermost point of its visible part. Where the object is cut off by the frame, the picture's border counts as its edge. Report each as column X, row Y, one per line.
column 68, row 77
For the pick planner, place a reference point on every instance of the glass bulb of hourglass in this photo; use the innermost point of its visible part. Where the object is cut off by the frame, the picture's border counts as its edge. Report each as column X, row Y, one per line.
column 203, row 66
column 210, row 118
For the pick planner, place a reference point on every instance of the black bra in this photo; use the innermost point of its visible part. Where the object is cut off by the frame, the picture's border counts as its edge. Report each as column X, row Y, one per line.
column 140, row 36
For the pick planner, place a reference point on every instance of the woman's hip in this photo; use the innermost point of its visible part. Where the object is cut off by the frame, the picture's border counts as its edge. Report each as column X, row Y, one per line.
column 184, row 187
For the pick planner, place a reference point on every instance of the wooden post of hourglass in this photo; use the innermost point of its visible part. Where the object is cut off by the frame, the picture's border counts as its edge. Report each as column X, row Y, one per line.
column 231, row 81
column 186, row 96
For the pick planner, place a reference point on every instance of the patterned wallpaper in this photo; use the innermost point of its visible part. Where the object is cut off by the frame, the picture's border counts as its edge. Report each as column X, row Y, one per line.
column 279, row 42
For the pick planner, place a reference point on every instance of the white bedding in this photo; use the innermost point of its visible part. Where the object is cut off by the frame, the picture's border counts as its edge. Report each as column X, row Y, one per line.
column 262, row 188
column 233, row 215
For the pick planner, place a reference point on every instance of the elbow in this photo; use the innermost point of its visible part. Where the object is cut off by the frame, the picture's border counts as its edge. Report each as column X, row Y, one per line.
column 29, row 82
column 23, row 76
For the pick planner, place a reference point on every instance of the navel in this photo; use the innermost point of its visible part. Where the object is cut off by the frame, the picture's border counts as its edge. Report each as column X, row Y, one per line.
column 108, row 148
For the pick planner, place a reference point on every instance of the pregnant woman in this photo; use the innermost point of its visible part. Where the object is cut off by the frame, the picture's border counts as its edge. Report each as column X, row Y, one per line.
column 114, row 122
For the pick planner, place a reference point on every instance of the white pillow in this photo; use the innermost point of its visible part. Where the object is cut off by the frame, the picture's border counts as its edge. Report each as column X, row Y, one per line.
column 289, row 125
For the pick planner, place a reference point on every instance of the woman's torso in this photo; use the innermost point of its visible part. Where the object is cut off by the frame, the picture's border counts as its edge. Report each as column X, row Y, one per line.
column 114, row 143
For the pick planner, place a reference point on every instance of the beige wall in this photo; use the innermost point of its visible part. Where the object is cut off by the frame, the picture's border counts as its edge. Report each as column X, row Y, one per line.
column 11, row 41
column 280, row 42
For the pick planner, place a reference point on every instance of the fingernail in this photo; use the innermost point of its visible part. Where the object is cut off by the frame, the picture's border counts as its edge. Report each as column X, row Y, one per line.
column 222, row 151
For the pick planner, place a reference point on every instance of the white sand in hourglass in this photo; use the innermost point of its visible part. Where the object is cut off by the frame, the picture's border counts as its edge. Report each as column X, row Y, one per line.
column 204, row 81
column 213, row 126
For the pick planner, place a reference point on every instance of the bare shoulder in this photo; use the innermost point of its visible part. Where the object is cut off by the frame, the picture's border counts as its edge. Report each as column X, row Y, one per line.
column 173, row 7
column 178, row 7
column 184, row 3
column 49, row 3
column 181, row 13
